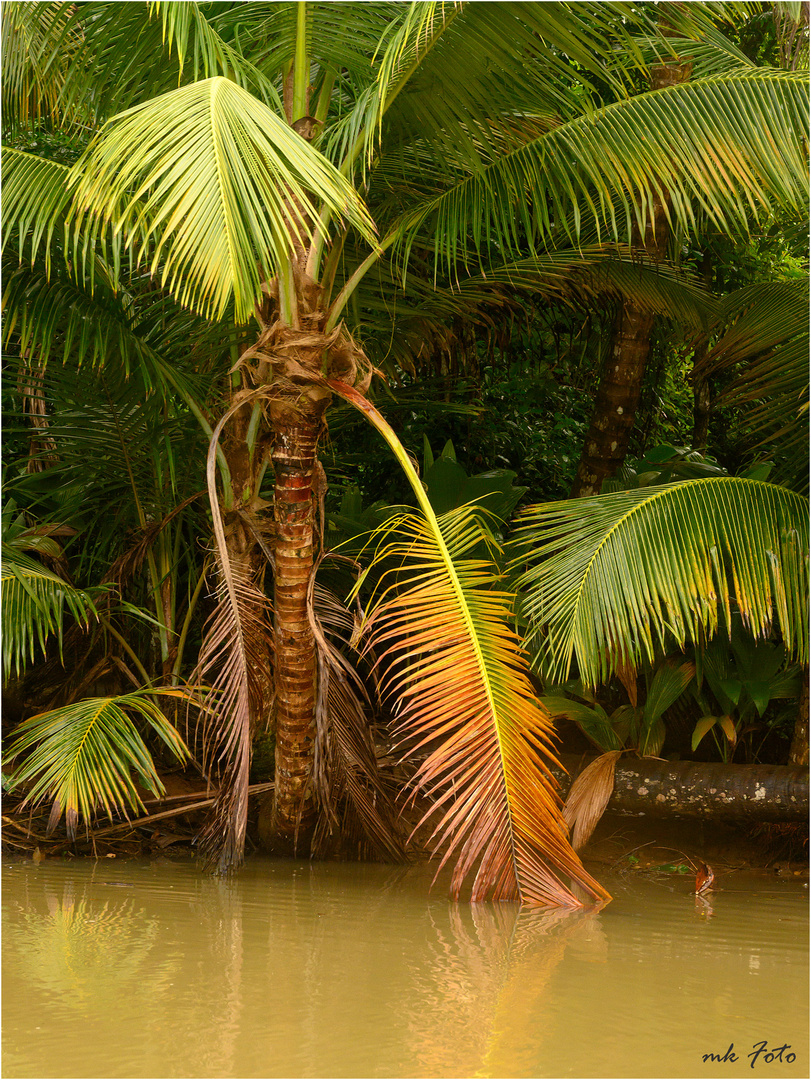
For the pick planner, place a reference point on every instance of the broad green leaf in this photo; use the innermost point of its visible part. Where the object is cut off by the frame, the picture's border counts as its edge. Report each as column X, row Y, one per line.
column 668, row 684
column 592, row 719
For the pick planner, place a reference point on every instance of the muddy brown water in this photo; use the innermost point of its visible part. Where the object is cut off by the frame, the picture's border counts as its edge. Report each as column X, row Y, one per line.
column 136, row 969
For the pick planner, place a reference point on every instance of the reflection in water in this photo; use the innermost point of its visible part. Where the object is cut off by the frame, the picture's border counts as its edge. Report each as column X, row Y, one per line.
column 299, row 970
column 484, row 987
column 538, row 946
column 82, row 950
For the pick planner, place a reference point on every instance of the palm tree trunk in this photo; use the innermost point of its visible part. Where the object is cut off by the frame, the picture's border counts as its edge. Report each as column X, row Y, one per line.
column 297, row 428
column 612, row 421
column 617, row 399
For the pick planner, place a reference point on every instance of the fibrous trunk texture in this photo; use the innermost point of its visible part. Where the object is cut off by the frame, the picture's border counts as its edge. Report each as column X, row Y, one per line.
column 297, row 429
column 612, row 422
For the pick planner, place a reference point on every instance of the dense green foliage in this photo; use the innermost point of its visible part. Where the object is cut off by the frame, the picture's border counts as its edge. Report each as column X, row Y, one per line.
column 164, row 167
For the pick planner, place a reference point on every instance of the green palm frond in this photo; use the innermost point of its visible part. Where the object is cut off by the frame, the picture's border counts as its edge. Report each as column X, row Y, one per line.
column 38, row 48
column 35, row 198
column 767, row 345
column 35, row 602
column 609, row 579
column 267, row 35
column 238, row 193
column 481, row 60
column 202, row 53
column 730, row 148
column 578, row 277
column 82, row 756
column 457, row 671
column 52, row 316
column 95, row 59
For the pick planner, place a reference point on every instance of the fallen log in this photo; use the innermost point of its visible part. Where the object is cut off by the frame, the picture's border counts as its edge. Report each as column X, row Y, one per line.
column 649, row 786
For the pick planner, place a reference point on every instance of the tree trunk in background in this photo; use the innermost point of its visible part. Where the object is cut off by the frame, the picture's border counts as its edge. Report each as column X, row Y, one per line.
column 617, row 399
column 297, row 427
column 704, row 789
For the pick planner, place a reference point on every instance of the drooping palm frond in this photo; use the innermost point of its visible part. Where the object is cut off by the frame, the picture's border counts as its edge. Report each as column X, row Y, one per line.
column 402, row 321
column 578, row 277
column 94, row 59
column 352, row 797
column 83, row 755
column 610, row 578
column 236, row 199
column 34, row 200
column 729, row 147
column 456, row 671
column 234, row 662
column 458, row 675
column 201, row 51
column 768, row 336
column 55, row 317
column 38, row 48
column 35, row 601
column 482, row 60
column 588, row 797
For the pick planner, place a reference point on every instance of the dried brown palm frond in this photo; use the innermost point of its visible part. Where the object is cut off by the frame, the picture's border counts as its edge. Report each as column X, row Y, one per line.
column 353, row 798
column 589, row 796
column 130, row 561
column 235, row 663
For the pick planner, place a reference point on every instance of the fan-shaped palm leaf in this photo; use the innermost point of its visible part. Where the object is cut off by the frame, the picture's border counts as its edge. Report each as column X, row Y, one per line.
column 610, row 578
column 218, row 183
column 459, row 675
column 83, row 755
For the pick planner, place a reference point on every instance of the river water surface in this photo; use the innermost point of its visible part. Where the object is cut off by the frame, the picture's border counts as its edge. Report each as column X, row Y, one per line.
column 136, row 969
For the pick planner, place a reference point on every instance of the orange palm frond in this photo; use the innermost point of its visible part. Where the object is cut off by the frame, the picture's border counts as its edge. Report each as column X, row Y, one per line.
column 588, row 797
column 460, row 680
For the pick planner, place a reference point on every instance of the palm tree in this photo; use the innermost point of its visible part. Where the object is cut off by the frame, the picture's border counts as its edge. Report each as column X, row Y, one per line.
column 606, row 443
column 246, row 191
